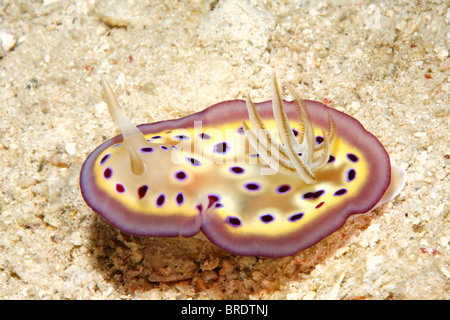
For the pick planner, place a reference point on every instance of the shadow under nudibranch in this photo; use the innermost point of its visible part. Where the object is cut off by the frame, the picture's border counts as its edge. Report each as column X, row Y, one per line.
column 139, row 264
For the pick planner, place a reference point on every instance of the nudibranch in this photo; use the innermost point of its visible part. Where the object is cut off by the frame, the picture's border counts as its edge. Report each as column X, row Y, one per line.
column 262, row 179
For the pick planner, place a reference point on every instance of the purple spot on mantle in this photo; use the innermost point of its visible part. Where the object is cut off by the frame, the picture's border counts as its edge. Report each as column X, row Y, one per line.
column 204, row 136
column 319, row 139
column 212, row 199
column 146, row 149
column 296, row 217
column 142, row 191
column 233, row 221
column 180, row 175
column 237, row 170
column 340, row 192
column 252, row 186
column 179, row 199
column 283, row 188
column 105, row 158
column 193, row 161
column 331, row 159
column 352, row 157
column 107, row 173
column 313, row 195
column 161, row 199
column 267, row 218
column 221, row 147
column 351, row 175
column 120, row 188
column 181, row 137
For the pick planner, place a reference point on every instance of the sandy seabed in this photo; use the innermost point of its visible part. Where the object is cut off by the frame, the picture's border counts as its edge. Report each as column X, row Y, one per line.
column 386, row 63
